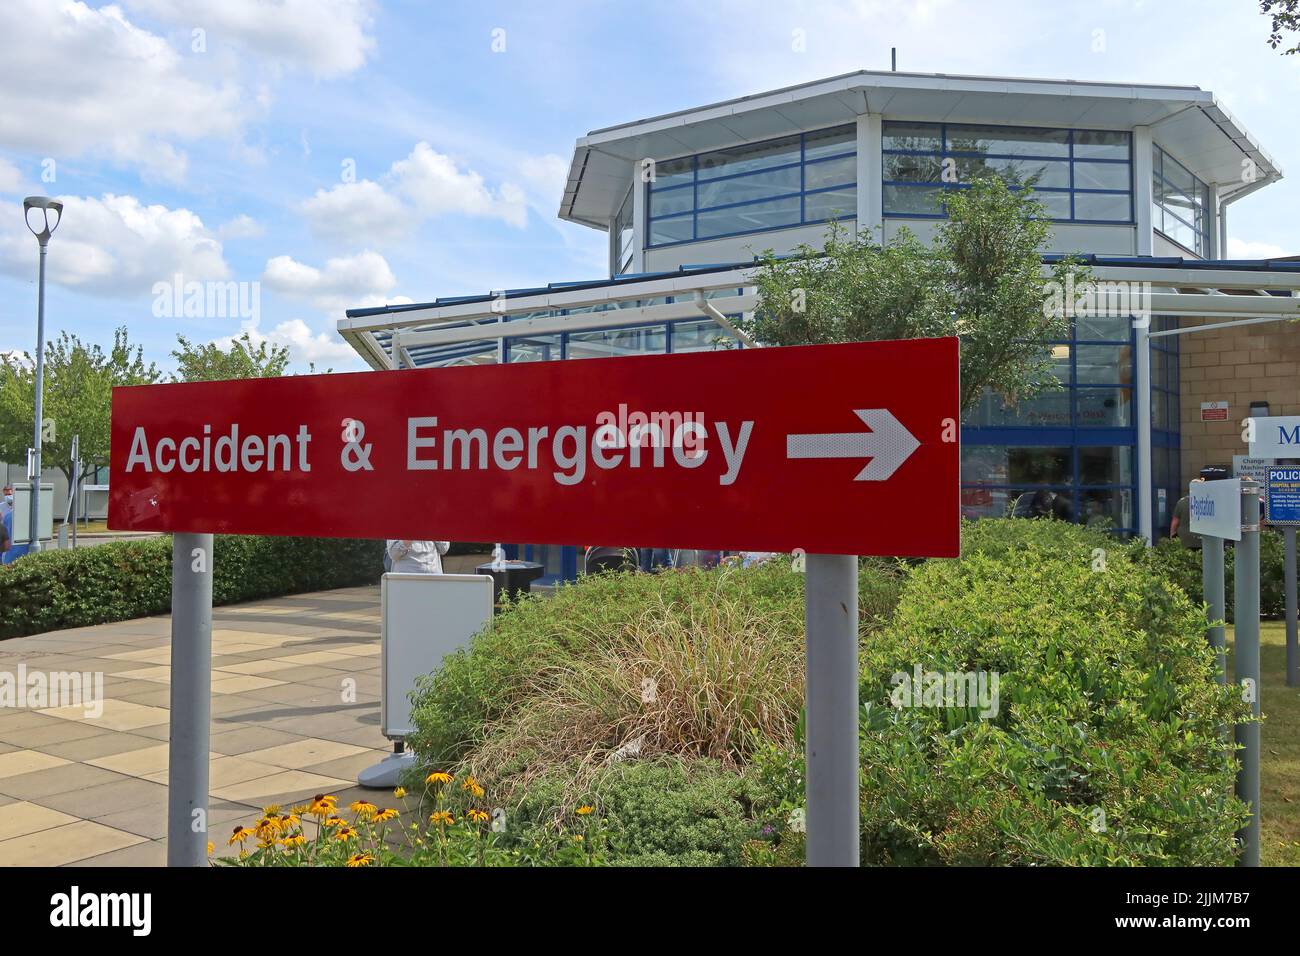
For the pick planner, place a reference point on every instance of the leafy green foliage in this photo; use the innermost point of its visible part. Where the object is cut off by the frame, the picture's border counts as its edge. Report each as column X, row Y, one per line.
column 209, row 362
column 979, row 280
column 121, row 580
column 76, row 396
column 1182, row 566
column 1284, row 15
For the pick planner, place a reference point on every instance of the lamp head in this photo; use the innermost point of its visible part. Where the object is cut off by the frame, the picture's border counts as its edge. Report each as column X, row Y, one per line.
column 46, row 206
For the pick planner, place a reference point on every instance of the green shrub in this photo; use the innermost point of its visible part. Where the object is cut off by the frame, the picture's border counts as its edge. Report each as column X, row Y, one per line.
column 1182, row 566
column 1106, row 747
column 121, row 580
column 654, row 813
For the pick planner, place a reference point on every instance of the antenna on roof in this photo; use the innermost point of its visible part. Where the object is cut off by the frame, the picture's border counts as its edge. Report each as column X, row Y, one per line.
column 893, row 59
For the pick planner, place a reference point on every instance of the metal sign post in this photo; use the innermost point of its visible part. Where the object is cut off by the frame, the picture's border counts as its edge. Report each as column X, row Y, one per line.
column 831, row 706
column 191, row 700
column 1216, row 611
column 1246, row 663
column 1214, row 513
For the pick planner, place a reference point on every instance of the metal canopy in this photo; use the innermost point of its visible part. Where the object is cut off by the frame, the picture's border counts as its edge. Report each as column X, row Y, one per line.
column 467, row 328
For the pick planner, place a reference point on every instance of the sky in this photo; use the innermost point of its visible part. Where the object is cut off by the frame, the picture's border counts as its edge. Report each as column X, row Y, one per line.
column 333, row 154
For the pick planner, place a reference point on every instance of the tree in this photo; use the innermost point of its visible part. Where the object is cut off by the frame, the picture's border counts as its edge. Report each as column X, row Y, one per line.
column 210, row 363
column 77, row 399
column 980, row 279
column 1285, row 15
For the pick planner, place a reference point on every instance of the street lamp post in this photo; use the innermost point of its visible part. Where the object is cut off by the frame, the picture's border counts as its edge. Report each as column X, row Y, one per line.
column 46, row 206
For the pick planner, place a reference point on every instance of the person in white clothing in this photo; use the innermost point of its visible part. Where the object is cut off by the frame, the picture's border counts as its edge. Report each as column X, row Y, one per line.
column 417, row 557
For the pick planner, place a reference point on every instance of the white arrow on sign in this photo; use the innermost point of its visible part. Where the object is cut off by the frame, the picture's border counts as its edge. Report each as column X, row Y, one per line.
column 888, row 444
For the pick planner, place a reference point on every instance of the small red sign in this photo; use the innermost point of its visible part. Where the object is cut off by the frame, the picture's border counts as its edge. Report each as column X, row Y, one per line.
column 837, row 449
column 1214, row 411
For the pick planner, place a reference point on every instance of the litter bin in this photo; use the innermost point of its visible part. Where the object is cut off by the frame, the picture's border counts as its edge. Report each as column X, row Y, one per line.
column 511, row 578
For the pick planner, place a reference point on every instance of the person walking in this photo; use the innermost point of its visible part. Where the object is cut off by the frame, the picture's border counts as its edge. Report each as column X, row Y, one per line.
column 416, row 557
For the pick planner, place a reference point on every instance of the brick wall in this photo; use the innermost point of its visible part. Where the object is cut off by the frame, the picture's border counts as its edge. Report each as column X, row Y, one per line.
column 1237, row 366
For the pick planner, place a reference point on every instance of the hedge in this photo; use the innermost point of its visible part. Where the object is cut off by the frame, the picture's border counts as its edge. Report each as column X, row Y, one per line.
column 121, row 580
column 1183, row 567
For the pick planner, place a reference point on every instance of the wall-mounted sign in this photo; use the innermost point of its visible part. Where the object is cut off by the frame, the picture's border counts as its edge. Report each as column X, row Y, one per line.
column 1215, row 508
column 1214, row 411
column 1243, row 466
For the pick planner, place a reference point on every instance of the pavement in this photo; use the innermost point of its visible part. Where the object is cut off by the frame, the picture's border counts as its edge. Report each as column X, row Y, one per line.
column 295, row 712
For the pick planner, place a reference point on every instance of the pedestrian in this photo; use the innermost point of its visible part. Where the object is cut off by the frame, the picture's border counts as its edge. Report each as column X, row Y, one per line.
column 1180, row 526
column 6, row 500
column 416, row 557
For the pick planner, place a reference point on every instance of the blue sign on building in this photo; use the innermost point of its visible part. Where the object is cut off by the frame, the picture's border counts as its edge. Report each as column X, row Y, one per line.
column 1282, row 497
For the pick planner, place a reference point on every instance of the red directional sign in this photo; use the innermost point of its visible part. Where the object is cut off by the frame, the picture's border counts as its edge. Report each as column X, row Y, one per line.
column 835, row 449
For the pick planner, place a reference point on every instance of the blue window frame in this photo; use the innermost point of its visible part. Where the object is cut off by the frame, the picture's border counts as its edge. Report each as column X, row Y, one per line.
column 791, row 181
column 1181, row 208
column 1078, row 175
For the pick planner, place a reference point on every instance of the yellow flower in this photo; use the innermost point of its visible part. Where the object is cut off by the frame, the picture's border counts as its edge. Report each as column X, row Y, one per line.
column 267, row 829
column 296, row 840
column 399, row 792
column 344, row 834
column 299, row 810
column 333, row 820
column 438, row 777
column 211, row 847
column 290, row 821
column 360, row 859
column 241, row 834
column 363, row 809
column 585, row 809
column 272, row 811
column 442, row 818
column 578, row 838
column 385, row 815
column 478, row 816
column 472, row 786
column 321, row 806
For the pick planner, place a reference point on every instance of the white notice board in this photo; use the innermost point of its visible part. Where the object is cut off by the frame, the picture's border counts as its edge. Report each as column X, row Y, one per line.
column 425, row 618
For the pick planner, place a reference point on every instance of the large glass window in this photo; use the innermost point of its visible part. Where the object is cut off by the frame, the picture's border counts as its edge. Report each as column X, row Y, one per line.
column 624, row 238
column 1078, row 175
column 791, row 181
column 1181, row 203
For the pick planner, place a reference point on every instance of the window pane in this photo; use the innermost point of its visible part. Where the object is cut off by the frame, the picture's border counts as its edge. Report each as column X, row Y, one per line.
column 1111, row 208
column 1103, row 327
column 913, row 169
column 987, row 502
column 1107, row 507
column 1051, row 407
column 765, row 215
column 615, row 342
column 542, row 348
column 1106, row 466
column 1104, row 364
column 670, row 230
column 1179, row 231
column 1104, row 407
column 913, row 200
column 1005, row 465
column 1017, row 172
column 743, row 159
column 1101, row 176
column 911, row 136
column 833, row 204
column 701, row 337
column 833, row 172
column 828, row 142
column 1010, row 141
column 674, row 172
column 669, row 202
column 775, row 182
column 1094, row 144
column 1055, row 205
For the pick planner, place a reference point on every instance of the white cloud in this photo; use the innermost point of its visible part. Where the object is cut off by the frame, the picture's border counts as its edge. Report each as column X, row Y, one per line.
column 1245, row 249
column 242, row 226
column 328, row 37
column 545, row 177
column 357, row 281
column 114, row 246
column 11, row 180
column 76, row 80
column 425, row 185
column 321, row 348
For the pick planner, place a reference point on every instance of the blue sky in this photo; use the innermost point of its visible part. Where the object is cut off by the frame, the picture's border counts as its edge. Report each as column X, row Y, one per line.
column 342, row 153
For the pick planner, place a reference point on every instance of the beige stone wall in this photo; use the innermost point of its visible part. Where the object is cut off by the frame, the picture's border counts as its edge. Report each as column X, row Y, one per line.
column 1239, row 366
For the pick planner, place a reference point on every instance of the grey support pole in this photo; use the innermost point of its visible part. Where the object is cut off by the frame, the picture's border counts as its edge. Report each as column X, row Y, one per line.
column 1245, row 617
column 1292, row 645
column 34, row 535
column 1142, row 409
column 1212, row 587
column 191, row 700
column 831, row 705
